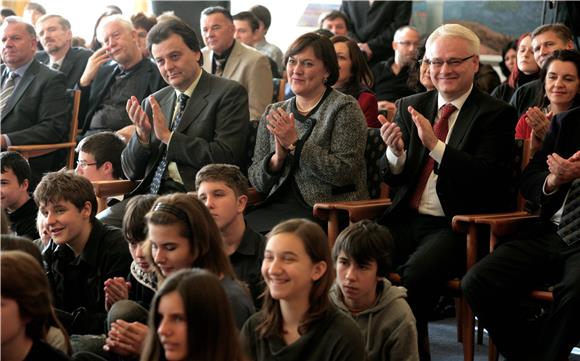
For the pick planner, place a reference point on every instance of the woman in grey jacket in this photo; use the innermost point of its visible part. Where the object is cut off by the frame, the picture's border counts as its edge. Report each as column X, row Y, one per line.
column 309, row 148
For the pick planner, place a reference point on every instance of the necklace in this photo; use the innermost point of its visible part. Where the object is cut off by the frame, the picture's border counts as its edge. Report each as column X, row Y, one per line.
column 306, row 111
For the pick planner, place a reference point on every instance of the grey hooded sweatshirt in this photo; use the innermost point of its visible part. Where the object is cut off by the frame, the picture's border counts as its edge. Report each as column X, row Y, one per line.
column 388, row 327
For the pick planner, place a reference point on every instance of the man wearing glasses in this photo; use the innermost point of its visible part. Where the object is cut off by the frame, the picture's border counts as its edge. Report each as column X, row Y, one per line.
column 449, row 152
column 391, row 75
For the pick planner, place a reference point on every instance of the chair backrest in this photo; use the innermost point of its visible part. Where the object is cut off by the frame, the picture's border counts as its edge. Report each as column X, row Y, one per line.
column 74, row 98
column 250, row 144
column 374, row 150
column 521, row 157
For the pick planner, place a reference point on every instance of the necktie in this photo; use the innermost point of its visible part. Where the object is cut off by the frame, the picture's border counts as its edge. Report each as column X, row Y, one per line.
column 441, row 129
column 7, row 90
column 55, row 66
column 219, row 66
column 569, row 228
column 162, row 166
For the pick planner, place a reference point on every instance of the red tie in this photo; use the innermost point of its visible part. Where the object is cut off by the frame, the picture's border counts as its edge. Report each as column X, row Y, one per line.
column 441, row 129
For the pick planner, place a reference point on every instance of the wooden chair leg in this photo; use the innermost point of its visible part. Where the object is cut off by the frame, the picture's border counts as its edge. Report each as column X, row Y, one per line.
column 468, row 331
column 459, row 317
column 492, row 353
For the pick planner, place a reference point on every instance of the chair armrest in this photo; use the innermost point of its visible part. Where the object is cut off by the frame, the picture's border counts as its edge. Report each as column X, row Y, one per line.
column 37, row 150
column 503, row 226
column 113, row 188
column 462, row 221
column 255, row 197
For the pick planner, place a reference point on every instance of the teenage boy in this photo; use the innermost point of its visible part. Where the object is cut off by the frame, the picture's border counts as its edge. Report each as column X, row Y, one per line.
column 363, row 257
column 224, row 191
column 82, row 252
column 99, row 157
column 14, row 196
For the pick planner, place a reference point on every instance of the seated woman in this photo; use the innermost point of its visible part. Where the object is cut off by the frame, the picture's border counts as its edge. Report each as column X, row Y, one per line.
column 508, row 58
column 309, row 148
column 419, row 77
column 27, row 312
column 183, row 235
column 297, row 320
column 186, row 324
column 560, row 79
column 355, row 77
column 525, row 70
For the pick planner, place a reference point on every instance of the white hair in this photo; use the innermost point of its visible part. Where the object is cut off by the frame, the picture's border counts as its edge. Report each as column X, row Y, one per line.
column 116, row 18
column 455, row 31
column 400, row 30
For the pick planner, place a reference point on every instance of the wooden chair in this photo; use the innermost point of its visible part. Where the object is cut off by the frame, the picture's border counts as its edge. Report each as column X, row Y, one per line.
column 37, row 150
column 364, row 209
column 105, row 189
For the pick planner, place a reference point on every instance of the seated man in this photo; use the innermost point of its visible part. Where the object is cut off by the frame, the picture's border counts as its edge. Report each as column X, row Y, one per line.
column 260, row 43
column 113, row 74
column 224, row 191
column 547, row 251
column 391, row 76
column 82, row 252
column 363, row 257
column 247, row 26
column 459, row 165
column 197, row 120
column 56, row 37
column 33, row 105
column 14, row 196
column 335, row 21
column 226, row 57
column 545, row 40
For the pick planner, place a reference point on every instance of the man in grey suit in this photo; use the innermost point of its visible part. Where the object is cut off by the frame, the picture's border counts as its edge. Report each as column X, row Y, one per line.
column 449, row 152
column 199, row 119
column 55, row 36
column 226, row 57
column 33, row 106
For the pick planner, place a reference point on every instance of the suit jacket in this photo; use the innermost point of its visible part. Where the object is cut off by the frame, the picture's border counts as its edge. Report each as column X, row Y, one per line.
column 73, row 64
column 562, row 139
column 93, row 95
column 37, row 113
column 474, row 174
column 526, row 96
column 213, row 129
column 250, row 68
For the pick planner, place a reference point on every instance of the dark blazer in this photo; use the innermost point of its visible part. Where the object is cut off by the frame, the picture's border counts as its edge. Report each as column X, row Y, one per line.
column 92, row 96
column 562, row 139
column 526, row 96
column 213, row 129
column 37, row 113
column 474, row 174
column 73, row 64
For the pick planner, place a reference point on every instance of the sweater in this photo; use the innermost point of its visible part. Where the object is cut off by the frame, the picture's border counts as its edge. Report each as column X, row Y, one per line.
column 388, row 327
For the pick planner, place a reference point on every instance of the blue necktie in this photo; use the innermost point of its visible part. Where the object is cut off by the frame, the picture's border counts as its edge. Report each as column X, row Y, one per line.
column 162, row 166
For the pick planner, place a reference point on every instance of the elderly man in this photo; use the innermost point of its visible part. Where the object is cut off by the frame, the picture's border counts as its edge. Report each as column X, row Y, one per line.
column 226, row 57
column 56, row 38
column 33, row 107
column 545, row 40
column 458, row 165
column 391, row 75
column 199, row 119
column 113, row 74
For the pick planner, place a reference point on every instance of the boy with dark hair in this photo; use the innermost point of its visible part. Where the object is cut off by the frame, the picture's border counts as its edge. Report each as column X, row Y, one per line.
column 14, row 196
column 82, row 252
column 224, row 191
column 100, row 157
column 363, row 255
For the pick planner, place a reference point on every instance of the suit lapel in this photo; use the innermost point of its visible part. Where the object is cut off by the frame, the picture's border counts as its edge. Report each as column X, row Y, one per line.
column 464, row 120
column 196, row 103
column 27, row 79
column 233, row 60
column 429, row 111
column 67, row 63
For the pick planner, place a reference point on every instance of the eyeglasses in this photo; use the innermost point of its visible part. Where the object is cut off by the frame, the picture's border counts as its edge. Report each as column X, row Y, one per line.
column 453, row 62
column 83, row 164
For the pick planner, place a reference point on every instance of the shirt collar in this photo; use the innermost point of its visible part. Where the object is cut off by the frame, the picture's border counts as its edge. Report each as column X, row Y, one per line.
column 191, row 88
column 20, row 71
column 458, row 102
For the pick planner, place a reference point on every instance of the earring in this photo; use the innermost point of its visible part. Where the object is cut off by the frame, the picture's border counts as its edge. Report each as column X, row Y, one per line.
column 325, row 81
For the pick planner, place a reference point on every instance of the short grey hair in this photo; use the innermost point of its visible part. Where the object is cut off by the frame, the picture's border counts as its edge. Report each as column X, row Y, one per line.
column 61, row 20
column 18, row 20
column 455, row 31
column 116, row 18
column 403, row 28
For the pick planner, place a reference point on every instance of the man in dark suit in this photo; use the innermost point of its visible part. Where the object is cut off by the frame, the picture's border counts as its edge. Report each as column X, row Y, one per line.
column 56, row 39
column 113, row 74
column 33, row 106
column 540, row 254
column 461, row 164
column 199, row 119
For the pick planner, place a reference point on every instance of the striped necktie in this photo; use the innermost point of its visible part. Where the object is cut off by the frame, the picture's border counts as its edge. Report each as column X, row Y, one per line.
column 7, row 90
column 569, row 228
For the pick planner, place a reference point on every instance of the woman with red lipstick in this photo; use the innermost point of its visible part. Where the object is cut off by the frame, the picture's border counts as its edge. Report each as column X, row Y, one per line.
column 560, row 80
column 297, row 320
column 191, row 319
column 309, row 148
